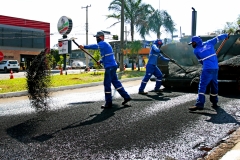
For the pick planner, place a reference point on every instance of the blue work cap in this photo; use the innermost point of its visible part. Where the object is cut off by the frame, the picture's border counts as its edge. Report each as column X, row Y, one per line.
column 196, row 39
column 158, row 42
column 100, row 33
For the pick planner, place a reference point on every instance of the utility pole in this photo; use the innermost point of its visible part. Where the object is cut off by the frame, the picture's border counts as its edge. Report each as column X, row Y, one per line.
column 159, row 5
column 122, row 35
column 87, row 58
column 126, row 33
column 180, row 32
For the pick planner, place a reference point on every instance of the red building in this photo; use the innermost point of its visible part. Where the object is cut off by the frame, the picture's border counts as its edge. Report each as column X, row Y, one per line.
column 23, row 39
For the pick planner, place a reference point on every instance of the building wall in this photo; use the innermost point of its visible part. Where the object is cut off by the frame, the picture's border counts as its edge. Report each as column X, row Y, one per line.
column 20, row 22
column 15, row 54
column 29, row 38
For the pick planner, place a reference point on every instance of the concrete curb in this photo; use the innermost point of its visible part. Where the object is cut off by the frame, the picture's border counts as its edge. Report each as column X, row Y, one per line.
column 55, row 89
column 228, row 149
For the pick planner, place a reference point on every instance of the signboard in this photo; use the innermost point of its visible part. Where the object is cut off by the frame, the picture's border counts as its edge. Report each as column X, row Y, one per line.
column 64, row 25
column 64, row 46
column 1, row 56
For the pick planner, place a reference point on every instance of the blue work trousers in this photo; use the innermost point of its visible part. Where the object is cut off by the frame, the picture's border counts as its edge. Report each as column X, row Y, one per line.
column 110, row 77
column 208, row 77
column 151, row 70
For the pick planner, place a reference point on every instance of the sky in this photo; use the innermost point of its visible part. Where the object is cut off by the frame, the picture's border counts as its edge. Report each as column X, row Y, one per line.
column 211, row 15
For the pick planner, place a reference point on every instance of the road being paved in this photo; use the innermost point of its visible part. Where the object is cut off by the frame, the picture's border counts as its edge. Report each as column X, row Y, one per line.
column 156, row 126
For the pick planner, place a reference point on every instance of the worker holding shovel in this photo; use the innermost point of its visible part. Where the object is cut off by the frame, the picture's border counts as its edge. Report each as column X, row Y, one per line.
column 206, row 55
column 110, row 65
column 152, row 68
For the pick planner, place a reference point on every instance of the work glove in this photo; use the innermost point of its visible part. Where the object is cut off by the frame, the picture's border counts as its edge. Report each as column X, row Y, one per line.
column 172, row 60
column 81, row 46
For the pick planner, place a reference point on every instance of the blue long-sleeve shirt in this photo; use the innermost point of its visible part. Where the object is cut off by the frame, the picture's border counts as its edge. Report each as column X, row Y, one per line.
column 206, row 53
column 107, row 55
column 155, row 54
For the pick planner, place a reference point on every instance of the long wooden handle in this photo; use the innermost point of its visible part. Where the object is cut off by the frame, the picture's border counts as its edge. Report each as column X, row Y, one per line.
column 223, row 42
column 174, row 62
column 86, row 52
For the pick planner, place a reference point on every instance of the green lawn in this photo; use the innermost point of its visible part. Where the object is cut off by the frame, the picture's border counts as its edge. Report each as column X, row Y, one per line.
column 19, row 84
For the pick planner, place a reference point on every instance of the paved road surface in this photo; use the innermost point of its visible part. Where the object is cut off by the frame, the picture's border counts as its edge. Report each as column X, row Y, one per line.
column 157, row 126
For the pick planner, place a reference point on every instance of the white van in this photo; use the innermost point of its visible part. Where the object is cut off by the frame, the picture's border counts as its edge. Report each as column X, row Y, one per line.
column 8, row 65
column 78, row 64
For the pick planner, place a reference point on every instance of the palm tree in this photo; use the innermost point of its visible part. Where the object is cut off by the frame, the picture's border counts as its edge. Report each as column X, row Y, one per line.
column 154, row 23
column 134, row 12
column 169, row 23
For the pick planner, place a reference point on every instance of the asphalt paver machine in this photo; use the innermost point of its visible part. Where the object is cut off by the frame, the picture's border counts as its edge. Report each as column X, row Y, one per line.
column 186, row 73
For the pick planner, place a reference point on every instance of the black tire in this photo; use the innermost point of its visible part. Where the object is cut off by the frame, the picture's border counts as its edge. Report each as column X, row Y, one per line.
column 5, row 70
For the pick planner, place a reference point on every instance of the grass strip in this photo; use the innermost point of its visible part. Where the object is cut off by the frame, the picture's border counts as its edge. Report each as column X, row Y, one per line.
column 19, row 84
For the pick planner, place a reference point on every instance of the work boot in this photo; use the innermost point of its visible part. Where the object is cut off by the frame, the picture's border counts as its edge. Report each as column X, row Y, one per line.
column 142, row 92
column 214, row 105
column 107, row 105
column 126, row 100
column 194, row 108
column 158, row 90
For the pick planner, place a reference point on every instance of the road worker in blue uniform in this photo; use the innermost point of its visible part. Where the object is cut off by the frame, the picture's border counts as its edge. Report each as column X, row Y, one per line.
column 152, row 68
column 110, row 65
column 206, row 55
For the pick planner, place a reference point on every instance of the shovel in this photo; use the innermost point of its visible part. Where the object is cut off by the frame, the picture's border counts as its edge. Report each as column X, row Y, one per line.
column 174, row 62
column 73, row 39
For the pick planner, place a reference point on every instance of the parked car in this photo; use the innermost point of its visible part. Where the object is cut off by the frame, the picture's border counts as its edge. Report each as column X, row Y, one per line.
column 91, row 65
column 67, row 67
column 8, row 65
column 78, row 64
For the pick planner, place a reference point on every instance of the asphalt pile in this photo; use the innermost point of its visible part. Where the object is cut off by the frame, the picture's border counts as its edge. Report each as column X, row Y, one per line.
column 38, row 82
column 233, row 62
column 188, row 72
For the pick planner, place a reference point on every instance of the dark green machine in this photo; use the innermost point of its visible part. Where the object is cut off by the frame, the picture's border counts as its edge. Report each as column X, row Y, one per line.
column 182, row 53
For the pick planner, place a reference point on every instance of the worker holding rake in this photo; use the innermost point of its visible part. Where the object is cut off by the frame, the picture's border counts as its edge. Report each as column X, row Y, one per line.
column 206, row 55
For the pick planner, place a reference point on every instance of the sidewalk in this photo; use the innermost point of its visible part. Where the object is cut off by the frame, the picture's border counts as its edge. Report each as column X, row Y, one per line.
column 228, row 149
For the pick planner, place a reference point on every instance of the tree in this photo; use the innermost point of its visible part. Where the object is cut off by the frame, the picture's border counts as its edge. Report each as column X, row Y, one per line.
column 230, row 27
column 238, row 20
column 155, row 21
column 134, row 48
column 97, row 56
column 56, row 56
column 134, row 12
column 169, row 23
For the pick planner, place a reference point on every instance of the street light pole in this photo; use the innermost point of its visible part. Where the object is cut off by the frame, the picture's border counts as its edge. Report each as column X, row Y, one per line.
column 87, row 59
